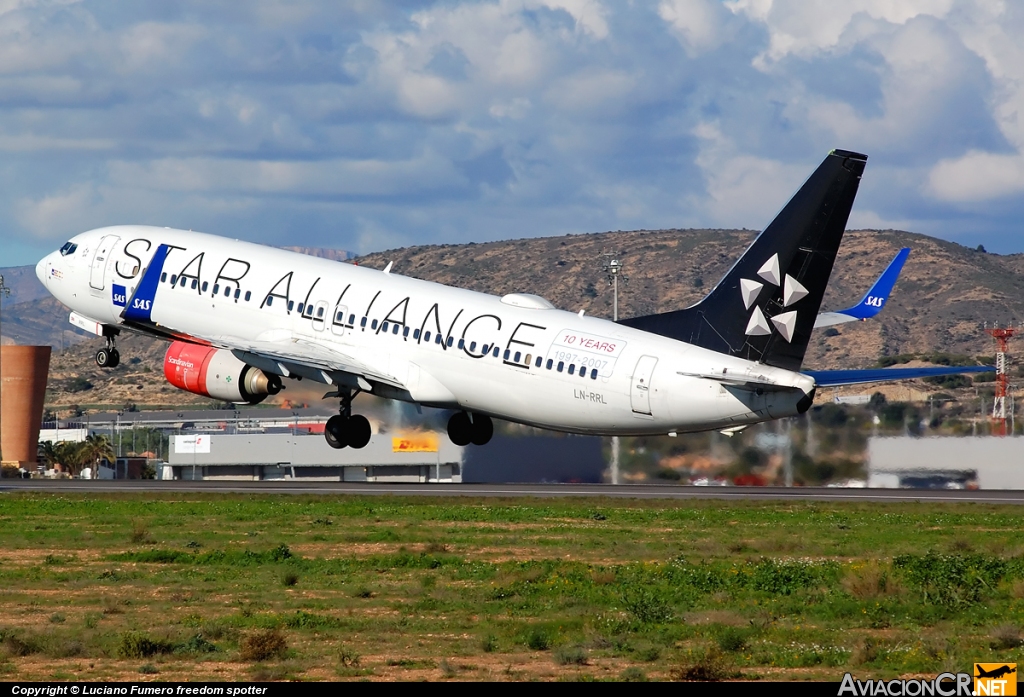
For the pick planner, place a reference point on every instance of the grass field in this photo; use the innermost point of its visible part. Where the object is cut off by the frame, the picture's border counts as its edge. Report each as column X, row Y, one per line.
column 175, row 587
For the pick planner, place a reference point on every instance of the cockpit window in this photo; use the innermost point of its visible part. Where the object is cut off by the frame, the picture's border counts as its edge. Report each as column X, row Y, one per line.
column 68, row 248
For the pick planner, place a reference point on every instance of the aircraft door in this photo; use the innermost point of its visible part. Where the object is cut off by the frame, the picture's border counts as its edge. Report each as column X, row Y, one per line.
column 640, row 388
column 99, row 261
column 340, row 317
column 320, row 316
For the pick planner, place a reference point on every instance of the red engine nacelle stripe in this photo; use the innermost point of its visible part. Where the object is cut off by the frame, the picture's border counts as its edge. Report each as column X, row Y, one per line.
column 185, row 366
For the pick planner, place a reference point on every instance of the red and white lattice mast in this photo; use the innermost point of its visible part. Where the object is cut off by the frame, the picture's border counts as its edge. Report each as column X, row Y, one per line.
column 999, row 411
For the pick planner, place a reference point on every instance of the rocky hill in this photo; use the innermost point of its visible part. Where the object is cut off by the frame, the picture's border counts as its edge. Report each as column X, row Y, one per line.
column 944, row 296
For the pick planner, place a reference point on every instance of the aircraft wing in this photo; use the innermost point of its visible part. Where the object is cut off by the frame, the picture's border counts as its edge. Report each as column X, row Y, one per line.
column 835, row 378
column 873, row 301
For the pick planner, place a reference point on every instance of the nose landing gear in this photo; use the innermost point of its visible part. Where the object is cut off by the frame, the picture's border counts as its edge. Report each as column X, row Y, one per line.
column 465, row 428
column 346, row 429
column 108, row 357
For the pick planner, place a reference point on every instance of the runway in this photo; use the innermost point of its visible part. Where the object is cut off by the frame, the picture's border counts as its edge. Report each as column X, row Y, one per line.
column 622, row 491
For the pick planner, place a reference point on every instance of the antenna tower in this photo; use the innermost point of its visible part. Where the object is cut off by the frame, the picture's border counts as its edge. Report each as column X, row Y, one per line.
column 1002, row 336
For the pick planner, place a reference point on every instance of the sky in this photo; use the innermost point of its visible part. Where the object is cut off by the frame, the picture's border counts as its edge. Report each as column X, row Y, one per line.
column 366, row 126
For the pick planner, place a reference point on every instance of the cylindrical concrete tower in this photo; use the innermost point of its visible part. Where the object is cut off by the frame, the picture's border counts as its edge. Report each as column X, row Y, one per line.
column 23, row 372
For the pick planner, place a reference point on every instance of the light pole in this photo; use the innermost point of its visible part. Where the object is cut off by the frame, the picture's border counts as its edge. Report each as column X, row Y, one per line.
column 4, row 293
column 613, row 268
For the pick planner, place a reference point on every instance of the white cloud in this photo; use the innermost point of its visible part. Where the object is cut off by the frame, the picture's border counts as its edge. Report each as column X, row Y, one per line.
column 699, row 24
column 977, row 176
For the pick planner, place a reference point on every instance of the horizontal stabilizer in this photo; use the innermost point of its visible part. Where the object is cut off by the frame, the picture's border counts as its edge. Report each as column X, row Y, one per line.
column 873, row 301
column 835, row 378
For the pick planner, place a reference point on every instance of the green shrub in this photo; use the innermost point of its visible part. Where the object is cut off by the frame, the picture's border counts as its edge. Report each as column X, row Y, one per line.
column 633, row 674
column 538, row 639
column 732, row 639
column 645, row 606
column 570, row 656
column 951, row 580
column 136, row 645
column 263, row 645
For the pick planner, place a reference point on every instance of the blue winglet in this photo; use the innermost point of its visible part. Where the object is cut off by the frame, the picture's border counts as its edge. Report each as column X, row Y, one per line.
column 140, row 306
column 874, row 300
column 835, row 378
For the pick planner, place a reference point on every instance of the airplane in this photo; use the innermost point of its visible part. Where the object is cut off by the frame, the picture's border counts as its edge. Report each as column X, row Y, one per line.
column 240, row 317
column 873, row 301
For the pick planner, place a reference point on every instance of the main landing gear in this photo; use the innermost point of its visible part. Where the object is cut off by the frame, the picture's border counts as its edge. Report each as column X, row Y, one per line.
column 464, row 428
column 345, row 429
column 108, row 357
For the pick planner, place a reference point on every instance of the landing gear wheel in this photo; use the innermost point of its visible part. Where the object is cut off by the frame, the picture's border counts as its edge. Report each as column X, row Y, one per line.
column 358, row 431
column 336, row 432
column 104, row 358
column 115, row 358
column 483, row 429
column 460, row 429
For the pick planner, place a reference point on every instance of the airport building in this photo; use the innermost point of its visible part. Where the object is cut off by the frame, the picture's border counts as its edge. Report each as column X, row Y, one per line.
column 425, row 457
column 946, row 463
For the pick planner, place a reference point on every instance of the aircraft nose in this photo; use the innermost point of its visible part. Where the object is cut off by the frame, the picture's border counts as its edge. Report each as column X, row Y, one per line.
column 41, row 269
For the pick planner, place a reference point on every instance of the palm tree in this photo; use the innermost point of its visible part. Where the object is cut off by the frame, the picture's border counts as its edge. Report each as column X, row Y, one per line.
column 94, row 449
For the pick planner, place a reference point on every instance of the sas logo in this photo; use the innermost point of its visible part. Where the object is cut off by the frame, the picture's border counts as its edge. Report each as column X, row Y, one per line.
column 120, row 295
column 140, row 304
column 874, row 301
column 995, row 679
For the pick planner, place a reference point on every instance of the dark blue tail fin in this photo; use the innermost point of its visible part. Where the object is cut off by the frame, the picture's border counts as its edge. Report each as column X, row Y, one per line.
column 764, row 308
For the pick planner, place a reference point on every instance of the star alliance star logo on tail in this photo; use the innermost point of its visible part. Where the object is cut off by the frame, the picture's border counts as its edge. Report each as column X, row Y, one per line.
column 792, row 291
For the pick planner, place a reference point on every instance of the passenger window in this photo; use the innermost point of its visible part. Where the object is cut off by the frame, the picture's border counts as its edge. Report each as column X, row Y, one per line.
column 248, row 294
column 373, row 324
column 507, row 354
column 362, row 322
column 426, row 336
column 405, row 333
column 593, row 373
column 227, row 291
column 416, row 334
column 163, row 277
column 238, row 291
column 494, row 351
column 437, row 339
column 339, row 317
column 270, row 301
column 572, row 368
column 583, row 372
column 451, row 340
column 539, row 361
column 205, row 286
column 320, row 312
column 301, row 305
column 195, row 284
column 351, row 319
column 518, row 355
column 550, row 363
column 561, row 365
column 462, row 344
column 291, row 305
column 174, row 279
column 528, row 359
column 216, row 289
column 181, row 281
column 472, row 346
column 395, row 328
column 384, row 327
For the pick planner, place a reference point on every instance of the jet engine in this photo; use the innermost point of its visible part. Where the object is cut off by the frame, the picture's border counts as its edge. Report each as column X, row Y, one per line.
column 216, row 373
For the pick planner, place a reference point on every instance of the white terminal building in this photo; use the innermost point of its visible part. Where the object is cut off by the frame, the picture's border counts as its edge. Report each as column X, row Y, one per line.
column 423, row 457
column 946, row 462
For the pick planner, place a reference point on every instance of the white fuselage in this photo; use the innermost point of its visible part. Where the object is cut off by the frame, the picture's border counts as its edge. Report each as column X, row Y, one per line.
column 633, row 382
